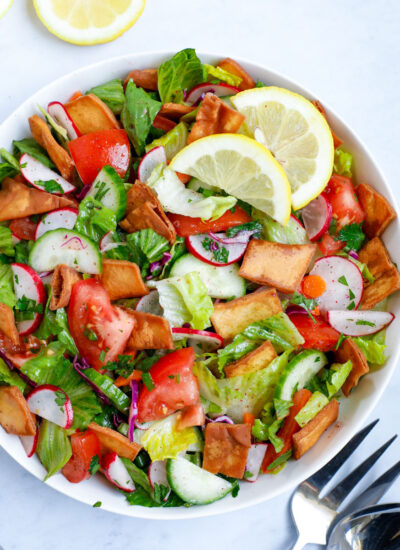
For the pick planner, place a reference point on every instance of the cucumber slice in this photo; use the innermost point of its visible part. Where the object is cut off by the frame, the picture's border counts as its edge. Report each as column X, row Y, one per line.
column 109, row 189
column 298, row 372
column 65, row 246
column 193, row 484
column 221, row 282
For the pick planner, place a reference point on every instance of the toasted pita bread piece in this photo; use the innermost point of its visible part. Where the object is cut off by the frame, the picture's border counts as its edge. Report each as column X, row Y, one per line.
column 15, row 416
column 349, row 351
column 122, row 279
column 281, row 266
column 257, row 359
column 17, row 200
column 226, row 448
column 144, row 211
column 150, row 332
column 378, row 210
column 215, row 117
column 175, row 110
column 309, row 435
column 230, row 318
column 42, row 134
column 231, row 66
column 7, row 324
column 62, row 281
column 387, row 278
column 146, row 78
column 110, row 440
column 91, row 114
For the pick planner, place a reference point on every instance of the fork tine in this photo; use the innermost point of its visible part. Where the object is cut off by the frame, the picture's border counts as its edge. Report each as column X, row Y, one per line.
column 335, row 497
column 325, row 474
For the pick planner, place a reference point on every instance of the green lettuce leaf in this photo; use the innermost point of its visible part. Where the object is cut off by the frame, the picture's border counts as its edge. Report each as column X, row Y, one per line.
column 7, row 295
column 264, row 432
column 146, row 246
column 137, row 115
column 365, row 272
column 173, row 141
column 292, row 233
column 112, row 93
column 185, row 300
column 58, row 131
column 224, row 76
column 315, row 404
column 180, row 73
column 9, row 167
column 6, row 245
column 10, row 378
column 343, row 163
column 94, row 220
column 53, row 447
column 240, row 394
column 177, row 198
column 30, row 146
column 373, row 346
column 51, row 367
column 22, row 251
column 336, row 376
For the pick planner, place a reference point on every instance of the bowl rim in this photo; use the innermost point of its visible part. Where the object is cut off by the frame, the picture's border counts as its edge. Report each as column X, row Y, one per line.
column 232, row 505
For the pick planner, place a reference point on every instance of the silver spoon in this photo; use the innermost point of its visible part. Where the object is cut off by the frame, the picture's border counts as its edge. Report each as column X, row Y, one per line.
column 373, row 528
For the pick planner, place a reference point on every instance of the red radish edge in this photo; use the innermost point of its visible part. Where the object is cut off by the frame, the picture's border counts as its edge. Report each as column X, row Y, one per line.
column 193, row 333
column 198, row 251
column 29, row 443
column 33, row 324
column 150, row 160
column 353, row 322
column 67, row 412
column 114, row 470
column 219, row 90
column 317, row 216
column 65, row 209
column 60, row 114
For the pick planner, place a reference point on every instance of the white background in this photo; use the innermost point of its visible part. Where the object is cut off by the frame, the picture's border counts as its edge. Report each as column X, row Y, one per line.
column 347, row 52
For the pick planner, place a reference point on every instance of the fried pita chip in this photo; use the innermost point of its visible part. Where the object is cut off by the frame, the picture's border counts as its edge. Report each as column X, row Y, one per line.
column 110, row 440
column 91, row 114
column 15, row 416
column 7, row 324
column 62, row 281
column 378, row 210
column 337, row 142
column 231, row 66
column 122, row 279
column 256, row 360
column 144, row 211
column 226, row 448
column 215, row 117
column 349, row 351
column 175, row 110
column 146, row 78
column 17, row 200
column 42, row 134
column 150, row 332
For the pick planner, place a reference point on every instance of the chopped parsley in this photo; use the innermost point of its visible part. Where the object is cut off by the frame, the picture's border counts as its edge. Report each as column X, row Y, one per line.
column 351, row 305
column 247, row 475
column 97, row 504
column 341, row 339
column 332, row 226
column 102, row 190
column 307, row 303
column 26, row 308
column 351, row 294
column 148, row 381
column 219, row 252
column 60, row 399
column 250, row 226
column 90, row 334
column 177, row 378
column 102, row 355
column 343, row 281
column 352, row 235
column 94, row 465
column 51, row 186
column 366, row 323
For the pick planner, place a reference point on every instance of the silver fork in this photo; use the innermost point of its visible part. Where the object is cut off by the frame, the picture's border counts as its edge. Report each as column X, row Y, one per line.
column 314, row 515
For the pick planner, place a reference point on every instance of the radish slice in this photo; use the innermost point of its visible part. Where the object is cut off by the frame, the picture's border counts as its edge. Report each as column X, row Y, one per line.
column 317, row 216
column 115, row 471
column 158, row 475
column 150, row 160
column 197, row 93
column 108, row 243
column 14, row 239
column 344, row 283
column 150, row 304
column 235, row 250
column 359, row 323
column 201, row 340
column 29, row 443
column 254, row 460
column 34, row 171
column 52, row 403
column 28, row 284
column 61, row 116
column 61, row 218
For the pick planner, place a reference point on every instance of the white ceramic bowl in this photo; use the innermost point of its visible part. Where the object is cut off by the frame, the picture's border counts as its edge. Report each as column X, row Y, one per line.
column 353, row 411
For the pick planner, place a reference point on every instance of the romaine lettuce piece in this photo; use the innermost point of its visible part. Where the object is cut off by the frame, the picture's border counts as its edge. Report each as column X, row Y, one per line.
column 337, row 375
column 224, row 76
column 9, row 378
column 315, row 404
column 182, row 72
column 146, row 246
column 291, row 233
column 173, row 141
column 53, row 447
column 94, row 220
column 185, row 300
column 343, row 163
column 240, row 394
column 112, row 93
column 6, row 245
column 177, row 198
column 7, row 295
column 373, row 346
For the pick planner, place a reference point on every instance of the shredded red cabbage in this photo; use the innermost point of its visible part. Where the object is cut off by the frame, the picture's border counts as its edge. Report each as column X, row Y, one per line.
column 80, row 365
column 84, row 191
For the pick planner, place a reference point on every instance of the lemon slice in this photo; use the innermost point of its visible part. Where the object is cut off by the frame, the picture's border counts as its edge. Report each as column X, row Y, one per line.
column 296, row 134
column 88, row 21
column 241, row 167
column 5, row 5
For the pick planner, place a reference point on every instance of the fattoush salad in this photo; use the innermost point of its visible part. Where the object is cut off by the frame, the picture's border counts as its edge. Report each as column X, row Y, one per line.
column 191, row 281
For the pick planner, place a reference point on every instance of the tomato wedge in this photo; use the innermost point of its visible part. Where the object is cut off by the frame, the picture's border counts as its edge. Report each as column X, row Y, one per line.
column 93, row 151
column 100, row 330
column 23, row 228
column 329, row 246
column 345, row 206
column 317, row 335
column 175, row 386
column 186, row 226
column 84, row 447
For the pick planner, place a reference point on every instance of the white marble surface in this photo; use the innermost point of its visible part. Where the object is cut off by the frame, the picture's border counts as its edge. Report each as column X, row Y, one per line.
column 347, row 52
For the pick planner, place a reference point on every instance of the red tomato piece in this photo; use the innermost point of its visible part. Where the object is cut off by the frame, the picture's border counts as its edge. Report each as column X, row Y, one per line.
column 23, row 228
column 175, row 386
column 317, row 335
column 84, row 447
column 345, row 206
column 96, row 326
column 93, row 151
column 186, row 226
column 329, row 246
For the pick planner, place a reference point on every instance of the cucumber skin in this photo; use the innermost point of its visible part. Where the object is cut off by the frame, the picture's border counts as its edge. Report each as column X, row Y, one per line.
column 295, row 363
column 171, row 465
column 113, row 180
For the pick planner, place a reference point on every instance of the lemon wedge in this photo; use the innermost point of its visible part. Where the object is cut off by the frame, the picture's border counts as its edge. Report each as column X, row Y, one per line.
column 5, row 5
column 295, row 132
column 88, row 22
column 241, row 167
